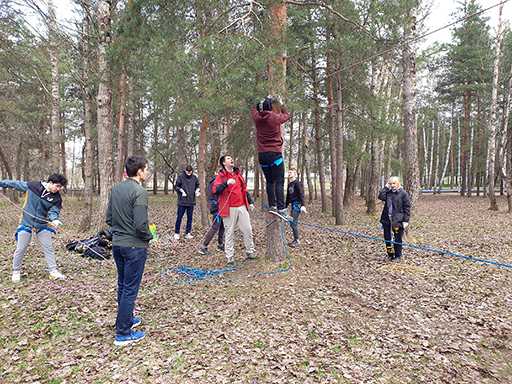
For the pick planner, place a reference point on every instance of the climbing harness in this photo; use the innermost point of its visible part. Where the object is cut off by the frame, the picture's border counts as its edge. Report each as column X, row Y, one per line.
column 273, row 164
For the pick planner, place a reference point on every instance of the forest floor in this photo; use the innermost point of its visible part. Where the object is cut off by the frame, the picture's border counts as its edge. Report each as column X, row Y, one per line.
column 338, row 315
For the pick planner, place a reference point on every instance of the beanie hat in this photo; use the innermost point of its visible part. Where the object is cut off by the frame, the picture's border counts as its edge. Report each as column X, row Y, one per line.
column 264, row 105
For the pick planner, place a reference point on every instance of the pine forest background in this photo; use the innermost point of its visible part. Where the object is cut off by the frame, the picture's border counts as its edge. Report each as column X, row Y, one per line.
column 175, row 81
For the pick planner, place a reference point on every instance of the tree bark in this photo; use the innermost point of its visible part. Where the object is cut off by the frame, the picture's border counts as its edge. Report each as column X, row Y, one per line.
column 412, row 174
column 277, row 75
column 55, row 117
column 339, row 156
column 88, row 163
column 200, row 172
column 491, row 149
column 104, row 101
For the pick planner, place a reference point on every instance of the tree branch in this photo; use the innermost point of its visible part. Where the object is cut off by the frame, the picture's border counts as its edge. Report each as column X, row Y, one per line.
column 335, row 13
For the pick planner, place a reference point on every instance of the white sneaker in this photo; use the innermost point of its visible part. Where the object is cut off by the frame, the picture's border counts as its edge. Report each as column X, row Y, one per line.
column 189, row 236
column 16, row 276
column 55, row 274
column 176, row 236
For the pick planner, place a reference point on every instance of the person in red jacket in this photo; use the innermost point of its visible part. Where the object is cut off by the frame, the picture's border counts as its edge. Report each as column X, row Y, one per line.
column 234, row 204
column 269, row 136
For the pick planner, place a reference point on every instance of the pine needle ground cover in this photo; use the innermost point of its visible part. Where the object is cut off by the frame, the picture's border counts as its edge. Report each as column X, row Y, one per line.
column 339, row 315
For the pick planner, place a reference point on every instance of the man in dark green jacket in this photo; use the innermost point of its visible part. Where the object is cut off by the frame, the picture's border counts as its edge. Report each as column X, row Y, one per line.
column 127, row 214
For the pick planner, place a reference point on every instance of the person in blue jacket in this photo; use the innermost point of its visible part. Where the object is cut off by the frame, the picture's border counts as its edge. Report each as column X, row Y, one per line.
column 41, row 209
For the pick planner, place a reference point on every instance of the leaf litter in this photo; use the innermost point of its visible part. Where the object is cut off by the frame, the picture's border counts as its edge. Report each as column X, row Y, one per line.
column 339, row 315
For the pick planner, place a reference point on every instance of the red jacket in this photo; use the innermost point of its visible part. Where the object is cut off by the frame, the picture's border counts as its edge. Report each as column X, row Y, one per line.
column 268, row 130
column 234, row 195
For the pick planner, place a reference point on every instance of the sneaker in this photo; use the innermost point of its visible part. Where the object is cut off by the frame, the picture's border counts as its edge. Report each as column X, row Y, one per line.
column 283, row 214
column 396, row 259
column 16, row 276
column 390, row 257
column 294, row 243
column 131, row 338
column 136, row 322
column 204, row 250
column 273, row 208
column 251, row 256
column 231, row 261
column 189, row 236
column 55, row 274
column 176, row 236
column 221, row 247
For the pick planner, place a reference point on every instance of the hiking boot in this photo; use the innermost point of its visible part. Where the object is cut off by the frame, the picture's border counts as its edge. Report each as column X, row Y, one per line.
column 176, row 236
column 231, row 261
column 136, row 322
column 204, row 250
column 131, row 338
column 221, row 247
column 189, row 236
column 251, row 256
column 294, row 243
column 16, row 276
column 55, row 274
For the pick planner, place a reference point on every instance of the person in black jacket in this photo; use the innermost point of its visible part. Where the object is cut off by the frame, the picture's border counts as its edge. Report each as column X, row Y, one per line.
column 187, row 186
column 217, row 224
column 295, row 197
column 395, row 217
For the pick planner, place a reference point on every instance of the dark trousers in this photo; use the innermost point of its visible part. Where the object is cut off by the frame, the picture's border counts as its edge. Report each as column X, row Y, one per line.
column 217, row 225
column 130, row 264
column 274, row 175
column 181, row 211
column 398, row 233
column 295, row 213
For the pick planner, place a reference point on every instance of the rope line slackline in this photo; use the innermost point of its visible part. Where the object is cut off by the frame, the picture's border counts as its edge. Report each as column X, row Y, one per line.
column 407, row 245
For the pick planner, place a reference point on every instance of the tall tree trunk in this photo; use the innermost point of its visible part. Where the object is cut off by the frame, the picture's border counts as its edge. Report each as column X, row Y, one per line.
column 55, row 125
column 491, row 151
column 339, row 155
column 121, row 129
column 412, row 173
column 130, row 123
column 200, row 171
column 277, row 76
column 104, row 101
column 155, row 146
column 335, row 183
column 318, row 133
column 505, row 148
column 88, row 163
column 448, row 148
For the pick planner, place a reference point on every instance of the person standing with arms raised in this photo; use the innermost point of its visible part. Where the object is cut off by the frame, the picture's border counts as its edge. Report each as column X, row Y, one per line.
column 269, row 136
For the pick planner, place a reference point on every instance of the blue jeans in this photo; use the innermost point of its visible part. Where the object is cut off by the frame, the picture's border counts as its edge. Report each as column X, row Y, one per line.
column 181, row 211
column 130, row 264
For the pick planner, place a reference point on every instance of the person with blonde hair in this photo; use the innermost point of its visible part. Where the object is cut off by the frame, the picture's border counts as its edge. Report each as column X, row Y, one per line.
column 395, row 217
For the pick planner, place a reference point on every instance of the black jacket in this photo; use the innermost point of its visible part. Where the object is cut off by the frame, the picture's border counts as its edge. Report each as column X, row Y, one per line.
column 294, row 193
column 213, row 198
column 401, row 206
column 189, row 184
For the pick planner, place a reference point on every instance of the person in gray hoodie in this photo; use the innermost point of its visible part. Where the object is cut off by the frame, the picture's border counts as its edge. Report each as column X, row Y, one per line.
column 41, row 209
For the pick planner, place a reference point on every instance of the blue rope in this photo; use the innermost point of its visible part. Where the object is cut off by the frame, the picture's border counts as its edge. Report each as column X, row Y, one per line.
column 408, row 245
column 195, row 274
